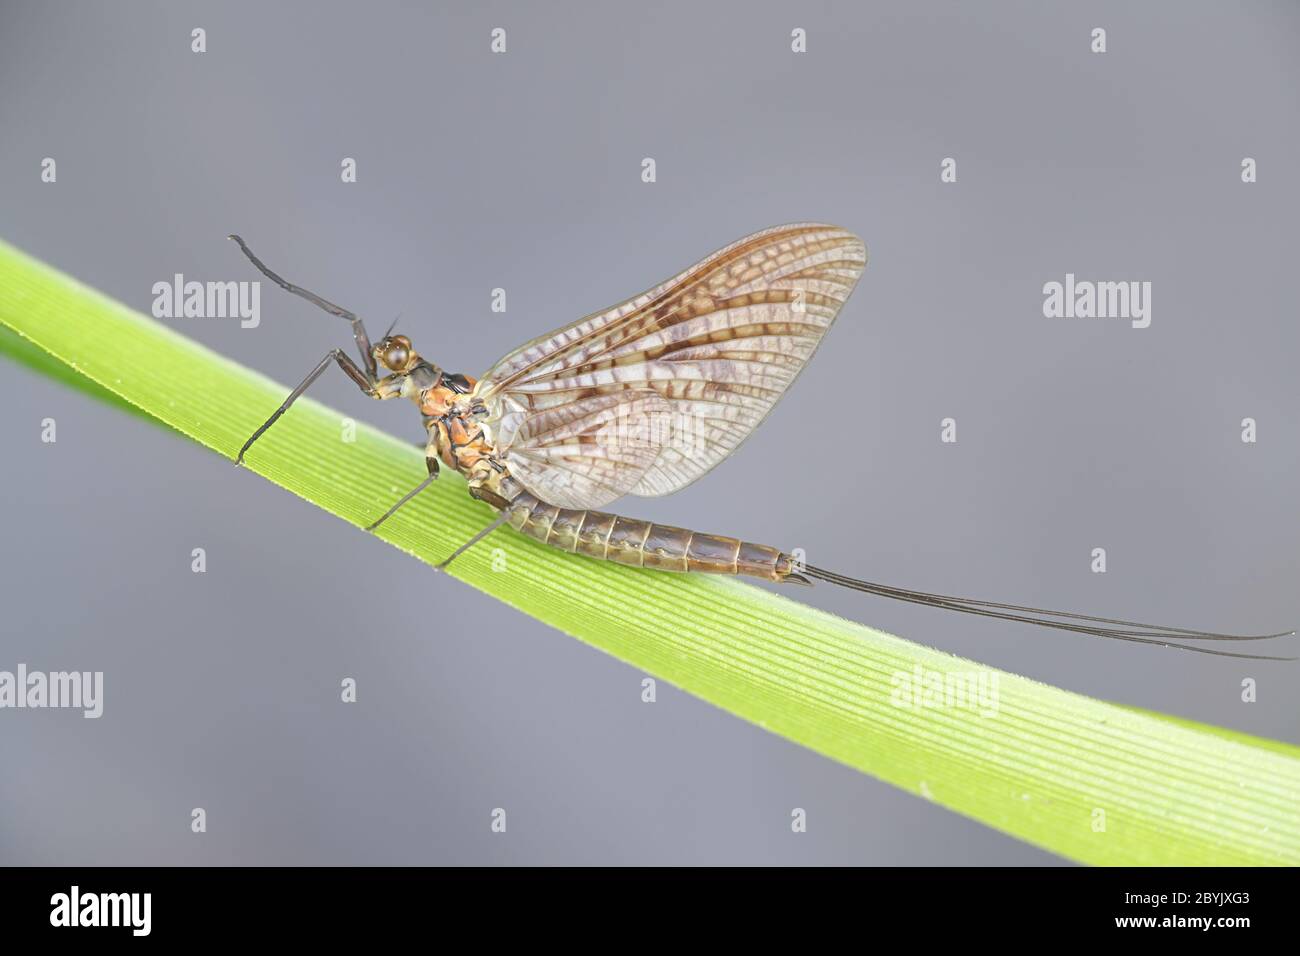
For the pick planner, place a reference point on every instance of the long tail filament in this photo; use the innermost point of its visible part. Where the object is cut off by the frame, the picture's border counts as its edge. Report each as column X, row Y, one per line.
column 1060, row 620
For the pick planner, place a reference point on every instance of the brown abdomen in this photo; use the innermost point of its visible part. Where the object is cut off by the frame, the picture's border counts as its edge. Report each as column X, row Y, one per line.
column 644, row 544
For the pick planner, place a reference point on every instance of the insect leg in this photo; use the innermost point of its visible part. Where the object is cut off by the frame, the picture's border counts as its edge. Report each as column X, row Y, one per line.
column 500, row 520
column 432, row 464
column 358, row 327
column 366, row 384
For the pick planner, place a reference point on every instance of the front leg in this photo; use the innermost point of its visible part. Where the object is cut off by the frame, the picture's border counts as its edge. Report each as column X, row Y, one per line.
column 389, row 386
column 364, row 382
column 358, row 327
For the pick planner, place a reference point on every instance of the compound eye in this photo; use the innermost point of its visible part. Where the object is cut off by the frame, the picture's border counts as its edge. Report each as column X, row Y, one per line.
column 397, row 351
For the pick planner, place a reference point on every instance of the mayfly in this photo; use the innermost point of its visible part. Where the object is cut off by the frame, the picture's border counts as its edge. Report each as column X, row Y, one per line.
column 644, row 398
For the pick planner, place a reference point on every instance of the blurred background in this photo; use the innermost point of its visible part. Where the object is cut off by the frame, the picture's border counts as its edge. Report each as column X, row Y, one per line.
column 522, row 171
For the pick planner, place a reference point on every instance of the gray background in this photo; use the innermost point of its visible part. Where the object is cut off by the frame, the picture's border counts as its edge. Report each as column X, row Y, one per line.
column 522, row 171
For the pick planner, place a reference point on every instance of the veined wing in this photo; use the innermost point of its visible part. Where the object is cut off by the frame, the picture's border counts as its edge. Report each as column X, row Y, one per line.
column 719, row 343
column 588, row 452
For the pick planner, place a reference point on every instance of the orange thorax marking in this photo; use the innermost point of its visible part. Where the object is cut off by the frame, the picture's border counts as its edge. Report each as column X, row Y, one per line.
column 459, row 441
column 437, row 401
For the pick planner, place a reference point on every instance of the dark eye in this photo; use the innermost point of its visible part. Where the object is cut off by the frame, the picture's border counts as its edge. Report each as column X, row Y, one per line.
column 457, row 383
column 395, row 356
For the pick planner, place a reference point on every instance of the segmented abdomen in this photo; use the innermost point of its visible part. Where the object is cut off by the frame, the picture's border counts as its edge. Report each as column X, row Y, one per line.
column 644, row 544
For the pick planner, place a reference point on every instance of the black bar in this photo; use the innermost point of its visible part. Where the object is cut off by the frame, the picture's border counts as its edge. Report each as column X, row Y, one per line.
column 332, row 905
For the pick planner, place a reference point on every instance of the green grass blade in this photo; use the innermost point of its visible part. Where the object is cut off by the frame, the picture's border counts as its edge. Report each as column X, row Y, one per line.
column 1042, row 768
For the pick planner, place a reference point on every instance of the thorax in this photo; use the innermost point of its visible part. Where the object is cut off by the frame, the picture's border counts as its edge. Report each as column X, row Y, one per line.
column 456, row 433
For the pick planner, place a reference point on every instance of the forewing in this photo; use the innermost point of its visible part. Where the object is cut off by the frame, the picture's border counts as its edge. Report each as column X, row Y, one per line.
column 588, row 452
column 720, row 343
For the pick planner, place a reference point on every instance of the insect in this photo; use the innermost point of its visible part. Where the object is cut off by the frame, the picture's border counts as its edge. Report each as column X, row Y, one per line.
column 644, row 398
